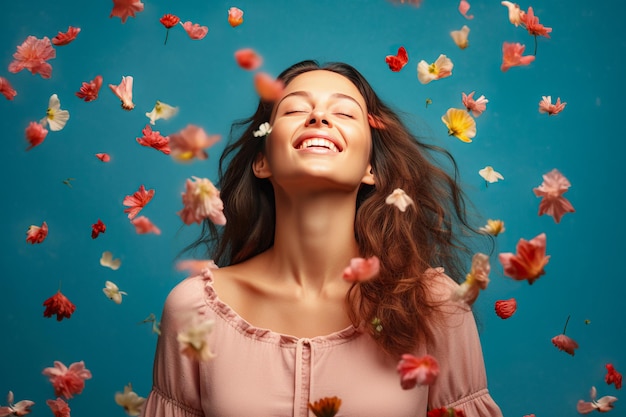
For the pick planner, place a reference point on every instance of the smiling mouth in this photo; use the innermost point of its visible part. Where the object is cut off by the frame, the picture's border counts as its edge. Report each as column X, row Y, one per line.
column 318, row 143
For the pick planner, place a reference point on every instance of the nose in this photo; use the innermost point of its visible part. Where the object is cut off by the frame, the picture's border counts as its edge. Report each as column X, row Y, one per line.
column 317, row 118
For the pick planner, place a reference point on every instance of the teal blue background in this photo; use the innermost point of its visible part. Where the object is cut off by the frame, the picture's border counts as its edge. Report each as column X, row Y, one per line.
column 582, row 63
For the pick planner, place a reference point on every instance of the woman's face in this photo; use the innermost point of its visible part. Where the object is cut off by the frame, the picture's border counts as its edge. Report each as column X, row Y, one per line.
column 320, row 135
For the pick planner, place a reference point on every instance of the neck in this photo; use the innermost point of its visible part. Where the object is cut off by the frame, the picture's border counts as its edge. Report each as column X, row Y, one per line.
column 314, row 238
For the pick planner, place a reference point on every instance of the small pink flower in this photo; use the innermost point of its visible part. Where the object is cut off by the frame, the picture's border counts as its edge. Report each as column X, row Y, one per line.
column 21, row 408
column 59, row 407
column 191, row 143
column 35, row 134
column 464, row 7
column 248, row 59
column 477, row 107
column 155, row 140
column 546, row 106
column 37, row 234
column 529, row 261
column 104, row 157
column 362, row 269
column 143, row 226
column 64, row 38
column 124, row 91
column 512, row 56
column 6, row 89
column 506, row 308
column 417, row 370
column 201, row 200
column 89, row 90
column 67, row 382
column 32, row 55
column 602, row 405
column 125, row 8
column 551, row 190
column 194, row 30
column 268, row 88
column 137, row 201
column 477, row 279
column 60, row 305
column 235, row 16
column 565, row 343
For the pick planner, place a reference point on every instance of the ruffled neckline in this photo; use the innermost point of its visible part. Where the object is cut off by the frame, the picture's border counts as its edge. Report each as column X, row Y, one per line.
column 247, row 329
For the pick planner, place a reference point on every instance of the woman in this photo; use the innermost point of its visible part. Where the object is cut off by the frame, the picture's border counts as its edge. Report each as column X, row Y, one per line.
column 286, row 329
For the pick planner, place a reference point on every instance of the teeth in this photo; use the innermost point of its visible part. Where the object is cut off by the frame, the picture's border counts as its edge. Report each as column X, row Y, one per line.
column 318, row 142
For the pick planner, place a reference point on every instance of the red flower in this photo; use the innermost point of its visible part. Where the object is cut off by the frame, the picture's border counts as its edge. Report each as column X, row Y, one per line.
column 97, row 228
column 154, row 140
column 32, row 55
column 506, row 308
column 143, row 226
column 612, row 376
column 37, row 234
column 169, row 20
column 248, row 59
column 531, row 22
column 397, row 62
column 35, row 134
column 126, row 8
column 89, row 90
column 59, row 407
column 417, row 370
column 528, row 262
column 67, row 382
column 137, row 201
column 565, row 343
column 235, row 16
column 67, row 37
column 58, row 304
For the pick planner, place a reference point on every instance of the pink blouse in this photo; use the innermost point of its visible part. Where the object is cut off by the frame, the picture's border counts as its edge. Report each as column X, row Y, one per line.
column 257, row 372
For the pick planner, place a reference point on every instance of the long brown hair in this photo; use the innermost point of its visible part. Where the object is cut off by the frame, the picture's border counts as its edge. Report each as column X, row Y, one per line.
column 429, row 234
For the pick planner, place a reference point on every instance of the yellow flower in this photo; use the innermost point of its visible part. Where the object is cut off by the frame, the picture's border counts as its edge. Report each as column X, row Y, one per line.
column 161, row 111
column 493, row 227
column 326, row 407
column 460, row 124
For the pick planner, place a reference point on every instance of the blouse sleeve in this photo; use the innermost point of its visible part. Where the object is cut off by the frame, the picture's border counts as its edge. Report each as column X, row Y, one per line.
column 176, row 389
column 462, row 380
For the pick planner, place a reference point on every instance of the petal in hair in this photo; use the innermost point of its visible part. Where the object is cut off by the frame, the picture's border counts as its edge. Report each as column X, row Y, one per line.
column 400, row 199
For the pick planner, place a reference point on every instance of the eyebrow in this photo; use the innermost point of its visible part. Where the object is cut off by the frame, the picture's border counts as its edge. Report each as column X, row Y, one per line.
column 308, row 95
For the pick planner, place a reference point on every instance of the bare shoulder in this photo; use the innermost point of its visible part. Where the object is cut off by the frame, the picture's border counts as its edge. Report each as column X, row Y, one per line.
column 237, row 285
